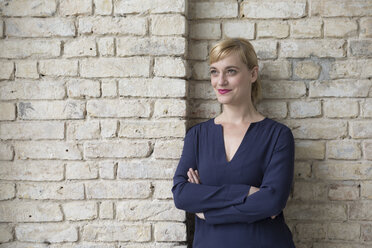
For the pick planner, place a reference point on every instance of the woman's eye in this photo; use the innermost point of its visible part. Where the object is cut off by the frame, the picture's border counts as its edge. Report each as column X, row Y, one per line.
column 213, row 72
column 231, row 71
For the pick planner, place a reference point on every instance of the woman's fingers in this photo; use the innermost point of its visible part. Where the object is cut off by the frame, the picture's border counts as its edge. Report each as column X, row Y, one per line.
column 193, row 176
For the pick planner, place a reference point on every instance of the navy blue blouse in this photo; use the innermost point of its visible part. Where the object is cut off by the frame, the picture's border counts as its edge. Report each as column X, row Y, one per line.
column 264, row 159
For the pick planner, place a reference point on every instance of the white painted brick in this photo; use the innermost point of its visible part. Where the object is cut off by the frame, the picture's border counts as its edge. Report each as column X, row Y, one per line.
column 5, row 233
column 317, row 211
column 7, row 191
column 6, row 69
column 47, row 232
column 1, row 29
column 26, row 69
column 107, row 169
column 168, row 25
column 170, row 67
column 169, row 108
column 273, row 109
column 128, row 46
column 155, row 87
column 343, row 149
column 81, row 170
column 59, row 109
column 32, row 89
column 78, row 130
column 302, row 169
column 117, row 189
column 80, row 47
column 366, row 27
column 103, row 7
column 274, row 9
column 367, row 150
column 147, row 169
column 151, row 6
column 302, row 109
column 116, row 149
column 17, row 211
column 171, row 149
column 115, row 67
column 45, row 191
column 109, row 88
column 14, row 48
column 306, row 48
column 6, row 151
column 109, row 128
column 58, row 67
column 360, row 129
column 75, row 7
column 28, row 8
column 202, row 109
column 340, row 88
column 309, row 191
column 47, row 150
column 307, row 70
column 83, row 88
column 201, row 90
column 200, row 71
column 309, row 28
column 366, row 108
column 265, row 49
column 340, row 108
column 317, row 128
column 272, row 29
column 278, row 69
column 106, row 210
column 8, row 111
column 344, row 231
column 81, row 210
column 112, row 25
column 360, row 48
column 199, row 30
column 208, row 10
column 161, row 189
column 148, row 210
column 170, row 231
column 308, row 149
column 198, row 50
column 151, row 129
column 32, row 170
column 341, row 170
column 333, row 8
column 283, row 89
column 118, row 108
column 351, row 68
column 243, row 29
column 340, row 28
column 106, row 46
column 39, row 27
column 32, row 130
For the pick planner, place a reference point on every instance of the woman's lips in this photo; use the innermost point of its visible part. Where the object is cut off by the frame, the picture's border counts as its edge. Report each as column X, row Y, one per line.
column 221, row 91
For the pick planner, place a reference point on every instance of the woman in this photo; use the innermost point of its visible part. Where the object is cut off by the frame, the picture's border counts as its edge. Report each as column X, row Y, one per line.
column 236, row 170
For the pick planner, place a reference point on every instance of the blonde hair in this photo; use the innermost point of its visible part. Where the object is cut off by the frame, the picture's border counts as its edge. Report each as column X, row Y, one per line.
column 244, row 49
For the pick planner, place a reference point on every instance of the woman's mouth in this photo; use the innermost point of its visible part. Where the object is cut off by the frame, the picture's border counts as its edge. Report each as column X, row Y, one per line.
column 223, row 91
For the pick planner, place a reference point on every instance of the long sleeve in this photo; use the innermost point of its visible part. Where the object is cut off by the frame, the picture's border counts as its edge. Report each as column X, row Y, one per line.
column 196, row 198
column 274, row 191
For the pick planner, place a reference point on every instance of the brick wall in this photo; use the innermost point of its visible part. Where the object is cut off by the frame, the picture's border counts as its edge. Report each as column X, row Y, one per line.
column 95, row 104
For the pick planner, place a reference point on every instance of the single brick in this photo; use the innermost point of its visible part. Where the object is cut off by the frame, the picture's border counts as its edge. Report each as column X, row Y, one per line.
column 360, row 211
column 161, row 189
column 235, row 28
column 306, row 48
column 359, row 68
column 170, row 231
column 361, row 48
column 307, row 70
column 171, row 149
column 169, row 108
column 345, row 149
column 360, row 129
column 58, row 67
column 302, row 109
column 112, row 25
column 273, row 9
column 198, row 30
column 343, row 192
column 334, row 170
column 200, row 71
column 309, row 191
column 80, row 47
column 6, row 69
column 316, row 211
column 146, row 169
column 115, row 67
column 202, row 109
column 75, row 7
column 107, row 169
column 26, row 69
column 318, row 128
column 106, row 210
column 208, row 10
column 170, row 67
column 307, row 28
column 39, row 27
column 367, row 150
column 201, row 90
column 11, row 48
column 109, row 128
column 6, row 152
column 198, row 50
column 81, row 210
column 340, row 108
column 366, row 190
column 13, row 211
column 309, row 149
column 6, row 233
column 117, row 149
column 311, row 231
column 79, row 130
column 340, row 28
column 81, row 170
column 340, row 88
column 47, row 191
column 343, row 231
column 83, row 88
column 118, row 108
column 8, row 111
column 335, row 8
column 109, row 88
column 117, row 189
column 366, row 27
column 28, row 8
column 7, row 192
column 106, row 46
column 47, row 150
column 168, row 25
column 272, row 29
column 273, row 109
column 278, row 69
column 46, row 232
column 151, row 129
column 32, row 130
column 283, row 89
column 151, row 6
column 366, row 107
column 302, row 170
column 152, row 87
column 103, row 7
column 59, row 109
column 265, row 49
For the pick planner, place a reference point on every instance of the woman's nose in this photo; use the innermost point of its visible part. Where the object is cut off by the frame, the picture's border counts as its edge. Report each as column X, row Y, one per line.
column 222, row 79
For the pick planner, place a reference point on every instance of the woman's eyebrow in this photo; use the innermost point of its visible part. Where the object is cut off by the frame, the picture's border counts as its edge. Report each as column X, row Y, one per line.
column 227, row 67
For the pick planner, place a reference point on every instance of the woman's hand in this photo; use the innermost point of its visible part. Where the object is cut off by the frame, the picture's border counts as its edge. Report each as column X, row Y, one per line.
column 195, row 178
column 253, row 190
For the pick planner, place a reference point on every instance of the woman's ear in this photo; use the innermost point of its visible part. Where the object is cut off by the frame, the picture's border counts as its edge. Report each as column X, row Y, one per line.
column 254, row 74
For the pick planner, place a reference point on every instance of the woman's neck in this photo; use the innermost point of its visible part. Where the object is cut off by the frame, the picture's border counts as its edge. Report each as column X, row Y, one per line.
column 239, row 114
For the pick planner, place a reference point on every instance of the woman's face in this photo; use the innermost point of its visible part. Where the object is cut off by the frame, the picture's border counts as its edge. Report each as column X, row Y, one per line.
column 232, row 80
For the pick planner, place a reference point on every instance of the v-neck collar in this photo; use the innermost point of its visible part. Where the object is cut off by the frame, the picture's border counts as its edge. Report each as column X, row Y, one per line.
column 221, row 137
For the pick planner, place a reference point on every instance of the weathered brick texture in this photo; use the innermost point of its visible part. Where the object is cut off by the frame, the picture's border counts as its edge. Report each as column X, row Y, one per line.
column 96, row 97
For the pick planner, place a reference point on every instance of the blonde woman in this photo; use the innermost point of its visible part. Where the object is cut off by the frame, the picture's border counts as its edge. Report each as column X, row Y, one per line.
column 236, row 169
